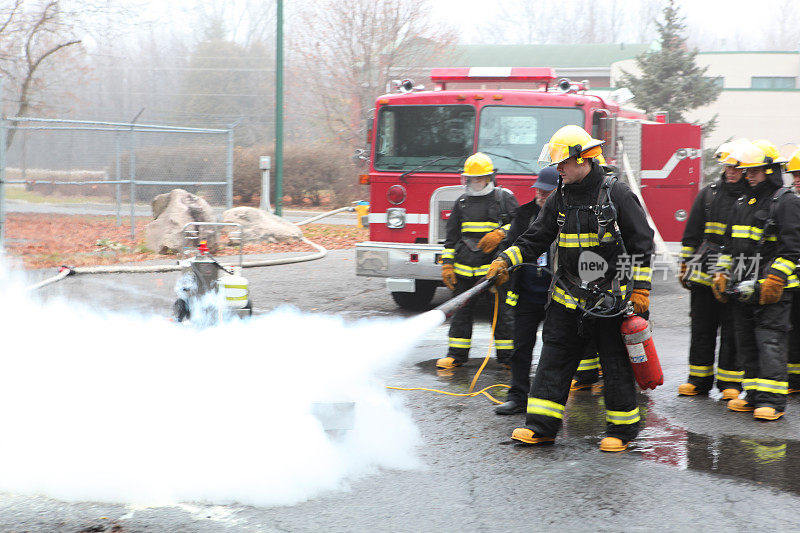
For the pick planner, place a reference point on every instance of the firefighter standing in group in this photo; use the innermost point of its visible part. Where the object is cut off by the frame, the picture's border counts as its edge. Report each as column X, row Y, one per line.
column 762, row 245
column 701, row 246
column 581, row 220
column 477, row 224
column 528, row 296
column 793, row 367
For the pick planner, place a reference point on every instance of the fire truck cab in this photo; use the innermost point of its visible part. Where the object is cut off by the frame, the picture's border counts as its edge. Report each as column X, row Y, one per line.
column 419, row 140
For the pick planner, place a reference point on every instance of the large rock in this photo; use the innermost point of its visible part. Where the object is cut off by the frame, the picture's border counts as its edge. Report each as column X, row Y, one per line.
column 259, row 225
column 172, row 211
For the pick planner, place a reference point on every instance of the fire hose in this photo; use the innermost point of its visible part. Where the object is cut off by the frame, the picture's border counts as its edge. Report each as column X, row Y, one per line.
column 65, row 270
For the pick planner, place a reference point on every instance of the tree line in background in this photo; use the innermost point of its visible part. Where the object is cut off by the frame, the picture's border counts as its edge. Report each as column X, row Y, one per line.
column 211, row 64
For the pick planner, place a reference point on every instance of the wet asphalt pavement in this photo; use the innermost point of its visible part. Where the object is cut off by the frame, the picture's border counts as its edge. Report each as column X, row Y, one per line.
column 695, row 465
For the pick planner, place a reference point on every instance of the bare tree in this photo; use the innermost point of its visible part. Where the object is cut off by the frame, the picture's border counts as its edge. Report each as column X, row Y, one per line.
column 346, row 54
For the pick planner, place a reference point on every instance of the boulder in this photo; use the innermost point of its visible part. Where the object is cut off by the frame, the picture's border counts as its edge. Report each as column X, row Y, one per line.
column 172, row 211
column 259, row 225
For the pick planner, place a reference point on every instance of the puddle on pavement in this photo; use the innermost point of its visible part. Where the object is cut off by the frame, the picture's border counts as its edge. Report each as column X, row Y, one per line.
column 769, row 462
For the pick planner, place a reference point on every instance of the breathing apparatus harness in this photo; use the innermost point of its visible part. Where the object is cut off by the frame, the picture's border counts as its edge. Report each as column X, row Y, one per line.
column 602, row 304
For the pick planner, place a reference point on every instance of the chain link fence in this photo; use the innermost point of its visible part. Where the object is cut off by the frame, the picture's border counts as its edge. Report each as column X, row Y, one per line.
column 108, row 168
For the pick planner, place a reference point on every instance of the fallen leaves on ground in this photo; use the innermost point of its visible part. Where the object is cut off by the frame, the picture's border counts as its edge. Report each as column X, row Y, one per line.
column 44, row 241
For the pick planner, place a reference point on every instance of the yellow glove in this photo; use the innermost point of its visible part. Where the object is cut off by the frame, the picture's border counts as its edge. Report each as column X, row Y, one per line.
column 489, row 242
column 771, row 290
column 449, row 276
column 499, row 270
column 719, row 286
column 640, row 298
column 683, row 275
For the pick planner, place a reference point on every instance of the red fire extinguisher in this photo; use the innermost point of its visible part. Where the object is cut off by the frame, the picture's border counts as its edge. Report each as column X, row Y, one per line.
column 638, row 338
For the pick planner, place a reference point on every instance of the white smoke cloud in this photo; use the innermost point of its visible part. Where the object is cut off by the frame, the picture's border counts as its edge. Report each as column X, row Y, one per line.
column 135, row 409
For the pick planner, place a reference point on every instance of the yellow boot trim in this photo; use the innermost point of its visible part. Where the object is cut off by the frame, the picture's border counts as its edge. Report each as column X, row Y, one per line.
column 613, row 444
column 529, row 437
column 730, row 394
column 740, row 405
column 447, row 362
column 687, row 389
column 767, row 413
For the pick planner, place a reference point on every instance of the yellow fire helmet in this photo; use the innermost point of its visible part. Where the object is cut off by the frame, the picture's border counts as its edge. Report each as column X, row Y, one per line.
column 570, row 141
column 794, row 162
column 770, row 150
column 723, row 153
column 478, row 165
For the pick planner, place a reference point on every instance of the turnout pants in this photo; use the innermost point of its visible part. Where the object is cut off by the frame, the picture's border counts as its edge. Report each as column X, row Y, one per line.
column 794, row 345
column 561, row 353
column 707, row 316
column 460, row 336
column 762, row 333
column 527, row 317
column 589, row 367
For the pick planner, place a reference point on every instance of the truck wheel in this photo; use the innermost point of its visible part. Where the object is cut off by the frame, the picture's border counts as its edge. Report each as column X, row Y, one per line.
column 420, row 299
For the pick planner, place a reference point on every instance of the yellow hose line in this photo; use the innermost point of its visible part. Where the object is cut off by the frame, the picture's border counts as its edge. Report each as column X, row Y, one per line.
column 468, row 394
column 471, row 394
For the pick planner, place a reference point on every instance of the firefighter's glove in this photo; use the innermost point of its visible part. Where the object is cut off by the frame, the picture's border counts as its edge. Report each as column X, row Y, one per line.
column 771, row 290
column 489, row 242
column 498, row 270
column 640, row 298
column 449, row 276
column 683, row 277
column 719, row 286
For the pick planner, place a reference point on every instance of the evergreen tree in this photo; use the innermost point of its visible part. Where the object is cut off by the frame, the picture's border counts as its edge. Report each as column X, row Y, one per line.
column 670, row 79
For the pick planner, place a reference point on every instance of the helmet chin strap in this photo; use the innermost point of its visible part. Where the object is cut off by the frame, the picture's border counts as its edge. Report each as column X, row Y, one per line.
column 483, row 192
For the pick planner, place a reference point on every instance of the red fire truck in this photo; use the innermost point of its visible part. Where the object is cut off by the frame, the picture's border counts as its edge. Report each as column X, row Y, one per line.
column 419, row 140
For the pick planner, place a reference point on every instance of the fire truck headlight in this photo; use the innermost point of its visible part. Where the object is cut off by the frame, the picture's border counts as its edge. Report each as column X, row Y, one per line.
column 680, row 215
column 395, row 217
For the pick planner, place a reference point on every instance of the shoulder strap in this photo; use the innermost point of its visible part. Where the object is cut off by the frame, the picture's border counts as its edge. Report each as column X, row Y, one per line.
column 500, row 196
column 711, row 193
column 770, row 224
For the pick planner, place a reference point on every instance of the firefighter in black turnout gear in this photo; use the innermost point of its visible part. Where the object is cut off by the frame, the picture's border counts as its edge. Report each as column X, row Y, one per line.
column 527, row 296
column 478, row 223
column 762, row 247
column 590, row 215
column 701, row 246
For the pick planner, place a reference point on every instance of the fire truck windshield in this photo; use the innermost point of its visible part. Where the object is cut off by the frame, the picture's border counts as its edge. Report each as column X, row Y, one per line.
column 413, row 135
column 515, row 135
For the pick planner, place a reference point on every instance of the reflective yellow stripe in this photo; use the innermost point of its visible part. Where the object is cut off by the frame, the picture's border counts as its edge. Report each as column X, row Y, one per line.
column 504, row 344
column 236, row 298
column 701, row 371
column 642, row 273
column 455, row 342
column 740, row 232
column 478, row 227
column 792, row 282
column 608, row 237
column 538, row 406
column 698, row 276
column 750, row 384
column 794, row 368
column 623, row 417
column 468, row 271
column 768, row 385
column 687, row 252
column 734, row 376
column 563, row 298
column 448, row 253
column 575, row 240
column 512, row 298
column 784, row 265
column 725, row 261
column 716, row 228
column 589, row 364
column 514, row 256
column 506, row 227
